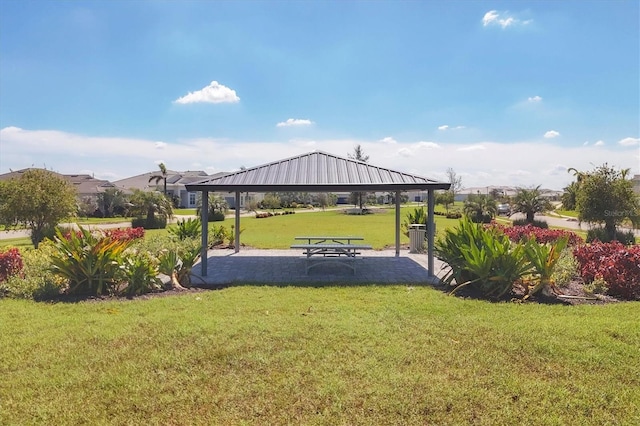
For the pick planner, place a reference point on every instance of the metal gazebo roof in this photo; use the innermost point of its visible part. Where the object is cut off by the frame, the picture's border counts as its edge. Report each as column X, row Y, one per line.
column 316, row 172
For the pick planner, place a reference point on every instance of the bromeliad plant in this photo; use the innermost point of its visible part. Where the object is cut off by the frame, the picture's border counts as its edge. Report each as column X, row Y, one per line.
column 90, row 262
column 486, row 259
column 187, row 228
column 481, row 257
column 177, row 262
column 543, row 259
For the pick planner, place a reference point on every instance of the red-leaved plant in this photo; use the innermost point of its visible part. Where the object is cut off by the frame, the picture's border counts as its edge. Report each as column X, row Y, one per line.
column 542, row 236
column 10, row 263
column 614, row 262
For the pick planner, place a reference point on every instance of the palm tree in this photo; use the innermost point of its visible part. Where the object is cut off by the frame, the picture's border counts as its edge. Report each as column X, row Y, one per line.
column 530, row 201
column 569, row 196
column 151, row 204
column 161, row 177
column 480, row 208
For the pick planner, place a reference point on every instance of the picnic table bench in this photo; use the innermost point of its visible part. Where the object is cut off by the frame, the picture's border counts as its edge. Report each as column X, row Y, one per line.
column 331, row 249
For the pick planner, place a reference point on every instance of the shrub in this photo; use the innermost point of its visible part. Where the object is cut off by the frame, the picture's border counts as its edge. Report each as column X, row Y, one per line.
column 454, row 215
column 158, row 222
column 566, row 268
column 10, row 263
column 536, row 223
column 124, row 234
column 140, row 272
column 37, row 280
column 521, row 233
column 215, row 216
column 221, row 234
column 617, row 265
column 597, row 286
column 417, row 216
column 600, row 234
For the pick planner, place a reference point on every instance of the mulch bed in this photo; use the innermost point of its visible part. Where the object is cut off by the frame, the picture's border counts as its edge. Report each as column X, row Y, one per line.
column 574, row 292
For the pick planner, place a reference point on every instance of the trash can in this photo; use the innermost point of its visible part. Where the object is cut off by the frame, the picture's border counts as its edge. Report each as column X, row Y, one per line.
column 417, row 235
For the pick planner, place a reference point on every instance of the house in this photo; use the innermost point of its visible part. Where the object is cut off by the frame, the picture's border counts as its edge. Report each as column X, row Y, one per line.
column 86, row 186
column 176, row 182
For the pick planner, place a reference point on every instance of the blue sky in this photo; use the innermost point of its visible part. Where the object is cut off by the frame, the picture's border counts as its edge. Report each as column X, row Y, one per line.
column 506, row 93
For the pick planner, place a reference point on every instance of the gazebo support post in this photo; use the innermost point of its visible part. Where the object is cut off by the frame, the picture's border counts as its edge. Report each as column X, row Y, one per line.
column 431, row 230
column 236, row 243
column 397, row 223
column 204, row 219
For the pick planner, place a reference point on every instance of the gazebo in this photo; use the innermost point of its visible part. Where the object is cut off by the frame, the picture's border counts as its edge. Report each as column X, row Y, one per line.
column 318, row 172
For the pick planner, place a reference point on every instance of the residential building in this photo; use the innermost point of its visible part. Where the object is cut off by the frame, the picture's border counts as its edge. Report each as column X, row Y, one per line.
column 87, row 186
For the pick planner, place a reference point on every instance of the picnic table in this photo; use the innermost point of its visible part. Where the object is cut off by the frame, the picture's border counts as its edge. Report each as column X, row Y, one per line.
column 338, row 249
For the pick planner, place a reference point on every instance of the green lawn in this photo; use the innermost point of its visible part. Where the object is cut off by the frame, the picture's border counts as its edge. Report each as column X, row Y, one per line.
column 367, row 355
column 278, row 232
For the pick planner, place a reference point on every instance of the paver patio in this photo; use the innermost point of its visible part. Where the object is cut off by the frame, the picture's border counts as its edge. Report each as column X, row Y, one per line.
column 257, row 266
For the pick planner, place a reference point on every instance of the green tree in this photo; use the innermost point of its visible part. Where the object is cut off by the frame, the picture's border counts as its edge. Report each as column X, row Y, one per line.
column 480, row 208
column 605, row 196
column 445, row 198
column 358, row 198
column 271, row 201
column 530, row 201
column 162, row 177
column 38, row 200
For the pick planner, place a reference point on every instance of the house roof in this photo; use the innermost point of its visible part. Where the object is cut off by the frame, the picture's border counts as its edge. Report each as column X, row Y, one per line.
column 174, row 178
column 85, row 185
column 317, row 172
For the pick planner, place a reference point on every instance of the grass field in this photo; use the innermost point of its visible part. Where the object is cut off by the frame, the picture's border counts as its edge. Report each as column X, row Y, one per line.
column 331, row 355
column 325, row 355
column 279, row 231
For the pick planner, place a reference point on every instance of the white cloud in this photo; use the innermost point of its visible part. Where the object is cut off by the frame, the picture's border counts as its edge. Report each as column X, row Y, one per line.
column 551, row 134
column 629, row 141
column 415, row 148
column 480, row 164
column 389, row 140
column 447, row 127
column 534, row 99
column 599, row 143
column 502, row 19
column 160, row 145
column 476, row 147
column 214, row 93
column 427, row 145
column 405, row 152
column 294, row 122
